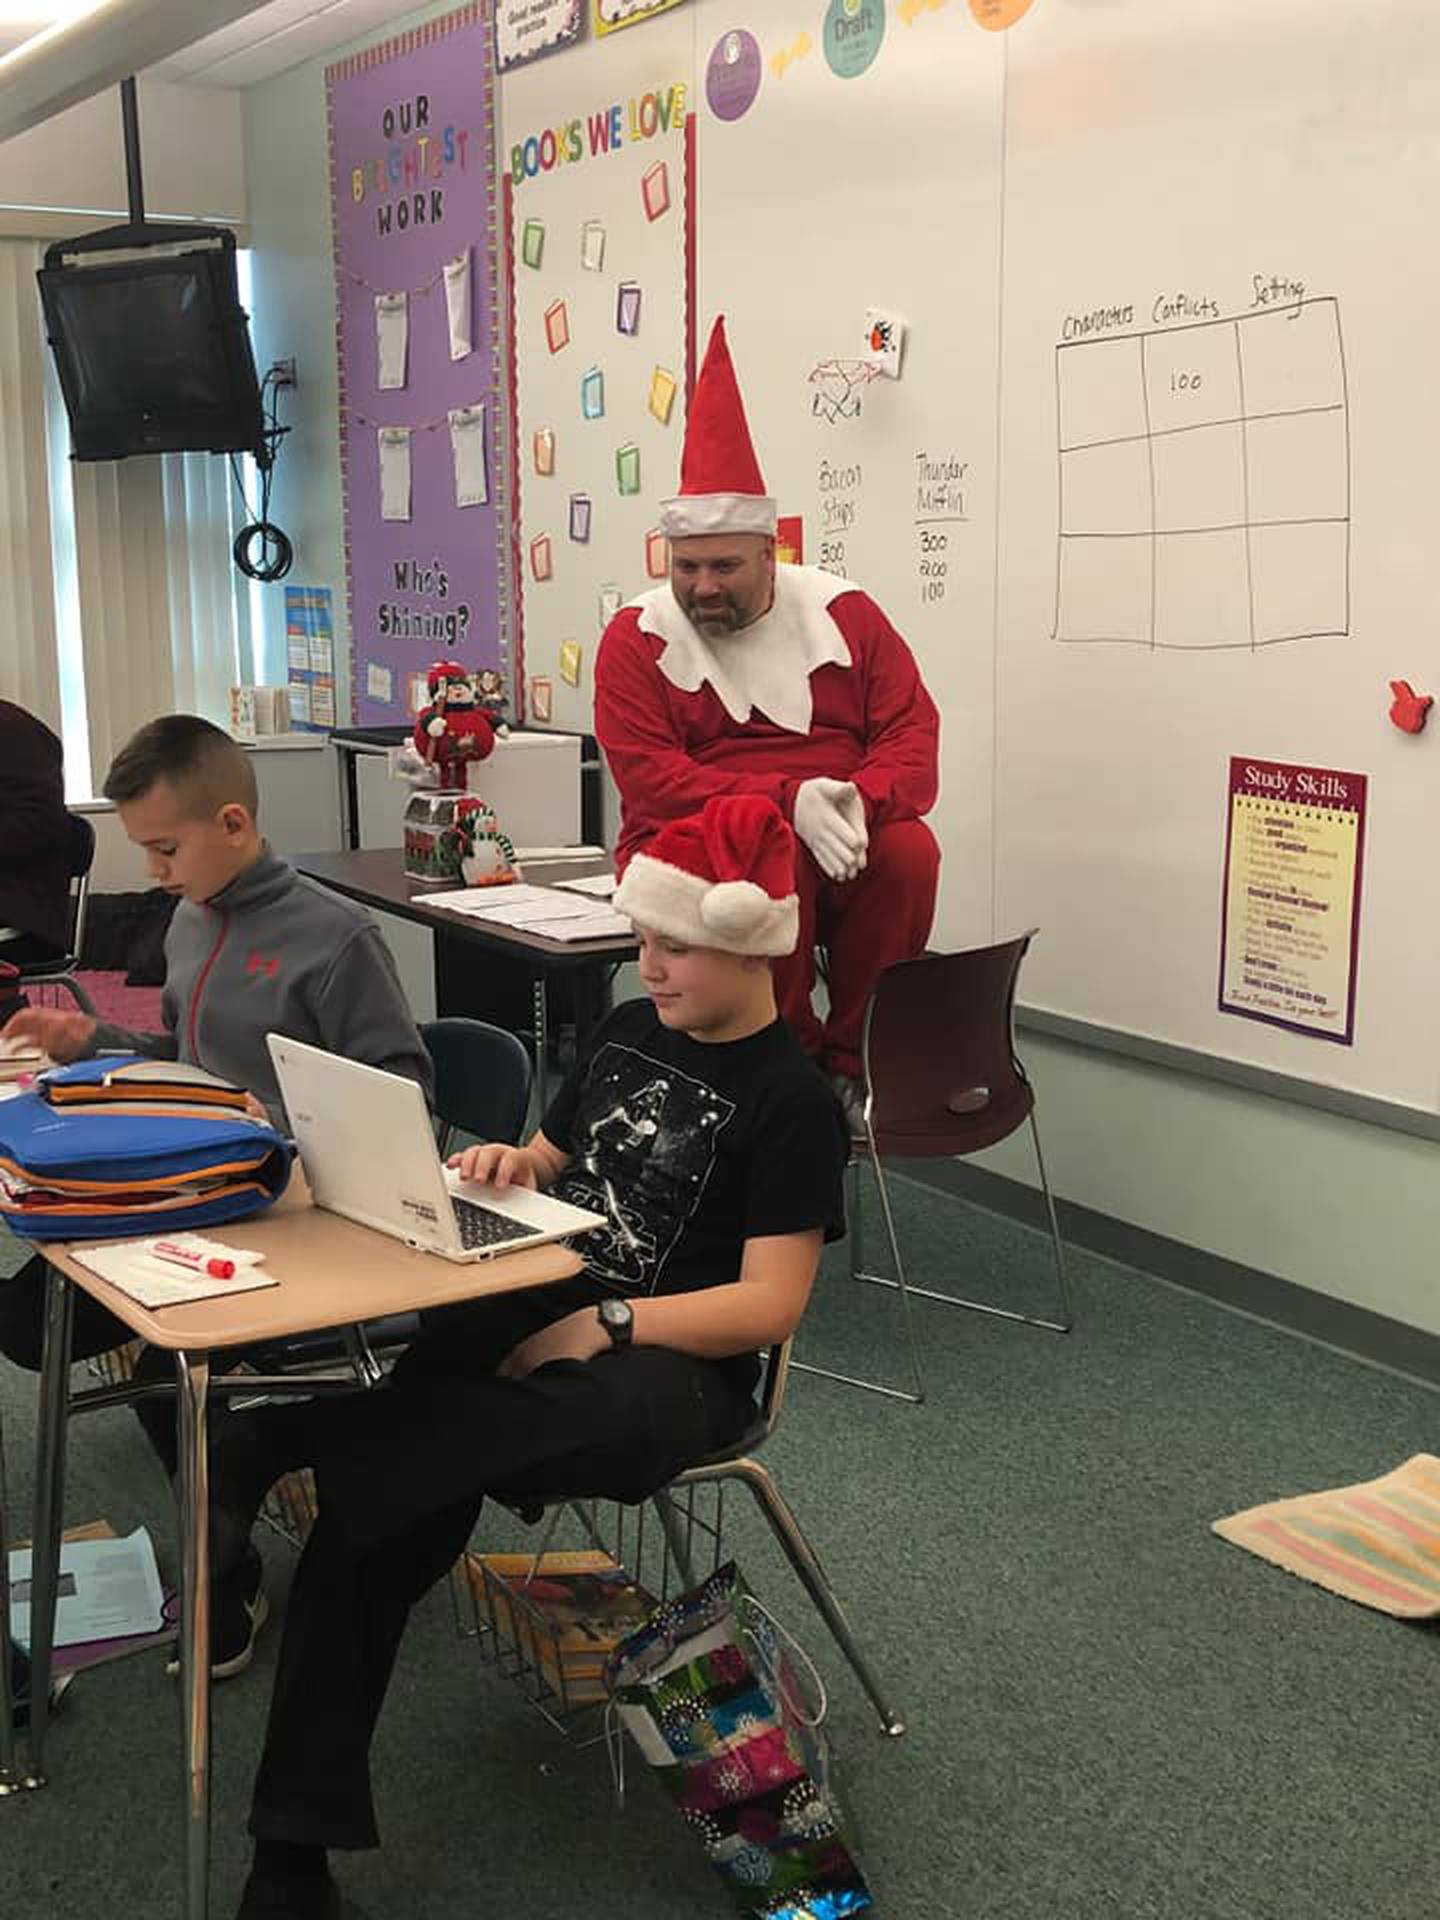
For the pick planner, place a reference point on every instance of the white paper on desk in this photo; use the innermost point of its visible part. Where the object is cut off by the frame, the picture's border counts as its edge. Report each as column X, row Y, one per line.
column 108, row 1589
column 600, row 884
column 591, row 926
column 466, row 899
column 157, row 1283
column 392, row 338
column 552, row 853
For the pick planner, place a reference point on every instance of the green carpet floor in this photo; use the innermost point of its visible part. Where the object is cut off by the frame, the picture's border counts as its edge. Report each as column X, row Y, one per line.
column 1112, row 1714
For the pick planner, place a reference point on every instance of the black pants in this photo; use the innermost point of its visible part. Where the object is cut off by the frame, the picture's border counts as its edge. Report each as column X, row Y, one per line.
column 95, row 1330
column 402, row 1473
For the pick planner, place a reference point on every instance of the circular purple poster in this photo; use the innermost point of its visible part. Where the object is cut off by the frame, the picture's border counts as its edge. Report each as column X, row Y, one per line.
column 733, row 76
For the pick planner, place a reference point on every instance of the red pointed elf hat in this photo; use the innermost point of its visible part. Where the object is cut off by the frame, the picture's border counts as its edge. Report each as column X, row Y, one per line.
column 724, row 877
column 721, row 489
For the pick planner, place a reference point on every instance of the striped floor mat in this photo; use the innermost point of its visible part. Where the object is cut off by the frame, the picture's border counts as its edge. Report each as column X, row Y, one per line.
column 1378, row 1542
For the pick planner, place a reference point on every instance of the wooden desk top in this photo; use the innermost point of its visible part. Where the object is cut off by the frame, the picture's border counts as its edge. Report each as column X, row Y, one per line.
column 331, row 1273
column 376, row 877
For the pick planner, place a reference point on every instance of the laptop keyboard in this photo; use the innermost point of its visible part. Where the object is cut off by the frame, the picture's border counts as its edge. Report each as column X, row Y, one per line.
column 483, row 1227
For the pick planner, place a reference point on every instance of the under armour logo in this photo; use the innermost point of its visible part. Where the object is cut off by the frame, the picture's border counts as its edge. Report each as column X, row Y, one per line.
column 260, row 963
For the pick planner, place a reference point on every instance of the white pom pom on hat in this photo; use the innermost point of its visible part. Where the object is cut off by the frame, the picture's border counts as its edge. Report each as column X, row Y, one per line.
column 721, row 878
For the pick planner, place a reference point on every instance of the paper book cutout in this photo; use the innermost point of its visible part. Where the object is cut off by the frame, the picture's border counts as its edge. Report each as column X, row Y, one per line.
column 557, row 326
column 592, row 394
column 627, row 468
column 627, row 308
column 663, row 388
column 541, row 565
column 655, row 190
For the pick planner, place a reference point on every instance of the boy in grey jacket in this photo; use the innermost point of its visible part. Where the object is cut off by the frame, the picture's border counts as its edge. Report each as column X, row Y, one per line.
column 253, row 948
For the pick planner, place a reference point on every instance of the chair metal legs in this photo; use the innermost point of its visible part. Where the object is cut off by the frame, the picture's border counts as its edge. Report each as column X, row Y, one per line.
column 1062, row 1322
column 67, row 983
column 802, row 1557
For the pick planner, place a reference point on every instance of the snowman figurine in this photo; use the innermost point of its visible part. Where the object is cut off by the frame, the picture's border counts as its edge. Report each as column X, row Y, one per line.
column 487, row 856
column 452, row 732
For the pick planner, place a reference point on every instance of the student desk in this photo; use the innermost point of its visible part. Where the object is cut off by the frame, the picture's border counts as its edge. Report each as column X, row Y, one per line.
column 331, row 1273
column 376, row 878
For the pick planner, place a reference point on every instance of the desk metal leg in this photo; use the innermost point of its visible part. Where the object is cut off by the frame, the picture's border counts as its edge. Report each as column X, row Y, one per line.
column 9, row 1778
column 49, row 1508
column 194, row 1387
column 541, row 1029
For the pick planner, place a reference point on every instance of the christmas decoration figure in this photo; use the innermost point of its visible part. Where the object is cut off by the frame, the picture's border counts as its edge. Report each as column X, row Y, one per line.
column 452, row 732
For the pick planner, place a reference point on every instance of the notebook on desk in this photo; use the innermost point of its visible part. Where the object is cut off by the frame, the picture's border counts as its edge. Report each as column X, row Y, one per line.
column 369, row 1153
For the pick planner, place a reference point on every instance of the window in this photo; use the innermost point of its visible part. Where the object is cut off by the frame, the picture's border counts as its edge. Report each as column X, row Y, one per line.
column 118, row 592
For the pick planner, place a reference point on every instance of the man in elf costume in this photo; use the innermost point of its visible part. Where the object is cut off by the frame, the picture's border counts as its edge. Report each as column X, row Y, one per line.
column 744, row 676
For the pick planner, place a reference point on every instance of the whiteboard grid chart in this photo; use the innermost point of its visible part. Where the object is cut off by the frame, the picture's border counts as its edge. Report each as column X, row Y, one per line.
column 1205, row 483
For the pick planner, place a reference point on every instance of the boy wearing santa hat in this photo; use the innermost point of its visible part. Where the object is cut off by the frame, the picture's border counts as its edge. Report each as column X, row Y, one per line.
column 741, row 676
column 715, row 1151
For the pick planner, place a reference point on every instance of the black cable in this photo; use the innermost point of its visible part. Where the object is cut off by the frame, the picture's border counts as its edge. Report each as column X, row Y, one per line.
column 276, row 554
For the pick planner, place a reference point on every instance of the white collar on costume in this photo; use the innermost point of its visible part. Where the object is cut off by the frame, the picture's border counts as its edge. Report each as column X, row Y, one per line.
column 766, row 667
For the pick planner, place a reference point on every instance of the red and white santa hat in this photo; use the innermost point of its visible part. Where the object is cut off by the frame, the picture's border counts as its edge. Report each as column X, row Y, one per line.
column 721, row 489
column 724, row 878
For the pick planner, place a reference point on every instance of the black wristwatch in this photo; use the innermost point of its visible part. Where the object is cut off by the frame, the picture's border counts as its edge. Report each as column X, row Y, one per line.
column 617, row 1317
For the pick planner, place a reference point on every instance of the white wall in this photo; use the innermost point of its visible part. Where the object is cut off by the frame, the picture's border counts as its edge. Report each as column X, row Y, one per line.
column 192, row 160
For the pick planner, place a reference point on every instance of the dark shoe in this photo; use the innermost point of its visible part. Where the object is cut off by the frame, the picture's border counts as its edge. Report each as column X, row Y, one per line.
column 270, row 1896
column 238, row 1610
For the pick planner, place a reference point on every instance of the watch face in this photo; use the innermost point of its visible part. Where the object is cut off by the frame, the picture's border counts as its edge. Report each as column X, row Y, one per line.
column 616, row 1316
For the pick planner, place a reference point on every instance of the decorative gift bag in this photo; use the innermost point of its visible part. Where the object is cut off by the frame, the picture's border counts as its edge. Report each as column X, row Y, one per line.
column 712, row 1700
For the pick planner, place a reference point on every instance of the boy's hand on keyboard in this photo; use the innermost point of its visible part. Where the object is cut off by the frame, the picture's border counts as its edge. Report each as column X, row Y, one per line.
column 497, row 1166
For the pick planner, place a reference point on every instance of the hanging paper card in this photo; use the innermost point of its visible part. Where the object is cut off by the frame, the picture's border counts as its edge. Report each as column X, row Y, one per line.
column 557, row 326
column 662, row 394
column 627, row 468
column 467, row 444
column 541, row 703
column 540, row 559
column 457, row 305
column 611, row 601
column 655, row 190
column 532, row 243
column 592, row 246
column 592, row 394
column 392, row 338
column 394, row 473
column 657, row 554
column 544, row 451
column 627, row 308
column 790, row 539
column 570, row 658
column 580, row 516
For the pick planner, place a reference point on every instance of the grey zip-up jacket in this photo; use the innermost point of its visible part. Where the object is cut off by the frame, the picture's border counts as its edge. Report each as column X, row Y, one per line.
column 276, row 953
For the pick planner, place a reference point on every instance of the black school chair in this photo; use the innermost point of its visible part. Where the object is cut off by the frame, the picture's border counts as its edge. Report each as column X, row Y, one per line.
column 58, row 972
column 943, row 1080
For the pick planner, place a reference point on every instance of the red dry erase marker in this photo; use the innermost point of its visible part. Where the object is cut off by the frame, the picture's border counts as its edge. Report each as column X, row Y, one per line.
column 197, row 1262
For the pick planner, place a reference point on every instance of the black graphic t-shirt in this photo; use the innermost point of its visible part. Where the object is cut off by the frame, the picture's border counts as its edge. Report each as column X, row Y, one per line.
column 690, row 1149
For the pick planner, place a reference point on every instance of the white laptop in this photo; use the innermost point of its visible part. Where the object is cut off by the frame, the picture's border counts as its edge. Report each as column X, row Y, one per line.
column 368, row 1149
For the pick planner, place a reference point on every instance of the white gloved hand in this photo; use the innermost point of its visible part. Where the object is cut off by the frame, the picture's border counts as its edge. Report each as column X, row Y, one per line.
column 830, row 819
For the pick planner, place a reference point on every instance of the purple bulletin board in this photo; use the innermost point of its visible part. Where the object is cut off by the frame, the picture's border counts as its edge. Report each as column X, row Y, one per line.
column 412, row 181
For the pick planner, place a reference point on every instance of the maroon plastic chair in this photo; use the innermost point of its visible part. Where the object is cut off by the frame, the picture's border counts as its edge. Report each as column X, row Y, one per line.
column 942, row 1080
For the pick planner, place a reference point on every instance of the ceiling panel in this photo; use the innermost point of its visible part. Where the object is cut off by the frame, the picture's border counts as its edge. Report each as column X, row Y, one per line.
column 275, row 37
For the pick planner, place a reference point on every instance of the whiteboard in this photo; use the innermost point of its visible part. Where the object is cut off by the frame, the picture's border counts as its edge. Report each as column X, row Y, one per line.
column 1190, row 190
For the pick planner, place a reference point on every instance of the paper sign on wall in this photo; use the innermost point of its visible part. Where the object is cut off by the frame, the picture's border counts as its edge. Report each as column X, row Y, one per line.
column 1293, row 860
column 612, row 15
column 524, row 29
